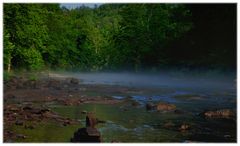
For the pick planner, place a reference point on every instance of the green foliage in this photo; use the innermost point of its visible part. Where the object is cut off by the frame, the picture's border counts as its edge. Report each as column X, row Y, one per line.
column 32, row 59
column 112, row 36
column 148, row 29
column 28, row 33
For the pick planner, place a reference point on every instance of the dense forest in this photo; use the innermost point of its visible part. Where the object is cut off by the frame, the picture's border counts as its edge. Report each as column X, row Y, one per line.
column 119, row 37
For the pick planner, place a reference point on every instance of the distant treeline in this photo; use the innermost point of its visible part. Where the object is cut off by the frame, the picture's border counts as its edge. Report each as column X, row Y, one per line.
column 119, row 36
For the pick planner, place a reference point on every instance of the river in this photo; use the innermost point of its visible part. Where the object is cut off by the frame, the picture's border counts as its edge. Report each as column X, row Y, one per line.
column 192, row 95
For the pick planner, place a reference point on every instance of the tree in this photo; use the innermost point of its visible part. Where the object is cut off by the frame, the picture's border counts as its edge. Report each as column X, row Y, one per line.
column 116, row 36
column 8, row 50
column 148, row 29
column 26, row 26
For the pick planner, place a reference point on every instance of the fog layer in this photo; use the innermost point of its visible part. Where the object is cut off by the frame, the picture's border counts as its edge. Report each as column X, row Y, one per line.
column 178, row 80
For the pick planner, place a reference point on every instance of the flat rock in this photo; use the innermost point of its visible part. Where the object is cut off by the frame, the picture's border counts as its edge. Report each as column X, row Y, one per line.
column 222, row 113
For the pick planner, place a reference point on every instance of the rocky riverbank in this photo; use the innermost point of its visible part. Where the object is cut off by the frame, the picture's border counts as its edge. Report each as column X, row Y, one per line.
column 36, row 107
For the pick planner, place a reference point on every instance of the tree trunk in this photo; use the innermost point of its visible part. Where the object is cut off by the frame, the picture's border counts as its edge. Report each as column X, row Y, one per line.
column 9, row 65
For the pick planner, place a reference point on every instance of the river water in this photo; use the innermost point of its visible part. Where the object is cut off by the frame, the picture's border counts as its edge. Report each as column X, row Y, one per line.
column 192, row 95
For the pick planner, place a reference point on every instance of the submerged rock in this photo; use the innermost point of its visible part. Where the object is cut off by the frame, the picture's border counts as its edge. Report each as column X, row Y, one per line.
column 135, row 103
column 128, row 97
column 189, row 97
column 165, row 107
column 160, row 106
column 180, row 112
column 169, row 124
column 184, row 127
column 84, row 112
column 223, row 113
column 21, row 136
column 101, row 121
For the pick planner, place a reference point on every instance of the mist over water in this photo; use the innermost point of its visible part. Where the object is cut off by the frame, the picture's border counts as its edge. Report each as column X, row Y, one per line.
column 156, row 80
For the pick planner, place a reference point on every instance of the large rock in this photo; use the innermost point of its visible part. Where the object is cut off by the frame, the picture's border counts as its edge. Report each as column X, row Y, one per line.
column 223, row 113
column 88, row 134
column 165, row 107
column 91, row 120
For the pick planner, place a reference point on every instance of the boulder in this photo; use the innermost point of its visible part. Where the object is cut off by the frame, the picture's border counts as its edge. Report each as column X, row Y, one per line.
column 165, row 107
column 88, row 134
column 91, row 120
